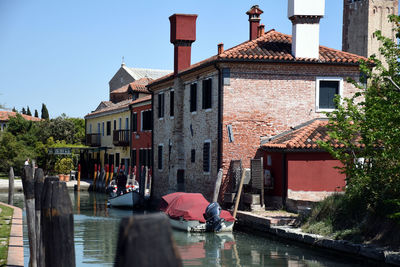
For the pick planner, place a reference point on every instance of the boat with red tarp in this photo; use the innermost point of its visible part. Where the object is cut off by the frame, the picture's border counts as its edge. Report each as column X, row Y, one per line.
column 191, row 212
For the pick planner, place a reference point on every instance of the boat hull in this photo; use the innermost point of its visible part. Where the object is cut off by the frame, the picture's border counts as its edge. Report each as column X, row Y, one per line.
column 198, row 227
column 129, row 200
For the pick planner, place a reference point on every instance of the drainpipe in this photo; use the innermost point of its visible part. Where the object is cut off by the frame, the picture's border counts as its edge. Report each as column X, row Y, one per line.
column 220, row 103
column 284, row 179
column 152, row 147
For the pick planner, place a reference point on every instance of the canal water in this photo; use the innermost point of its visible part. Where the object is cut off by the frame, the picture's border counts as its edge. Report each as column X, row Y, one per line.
column 96, row 232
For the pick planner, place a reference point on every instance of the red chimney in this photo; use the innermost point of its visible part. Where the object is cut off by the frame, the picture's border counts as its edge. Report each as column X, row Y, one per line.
column 183, row 34
column 254, row 19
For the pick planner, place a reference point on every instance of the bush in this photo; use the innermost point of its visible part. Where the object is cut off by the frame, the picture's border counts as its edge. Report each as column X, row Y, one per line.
column 64, row 165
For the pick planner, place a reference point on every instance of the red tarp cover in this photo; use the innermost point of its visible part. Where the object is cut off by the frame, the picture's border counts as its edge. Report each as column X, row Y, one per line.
column 189, row 206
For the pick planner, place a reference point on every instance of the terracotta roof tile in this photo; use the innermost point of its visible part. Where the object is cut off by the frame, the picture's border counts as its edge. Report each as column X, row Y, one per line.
column 136, row 86
column 6, row 115
column 305, row 137
column 273, row 46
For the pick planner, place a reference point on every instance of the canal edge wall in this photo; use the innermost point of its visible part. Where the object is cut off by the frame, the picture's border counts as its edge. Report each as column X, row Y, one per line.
column 263, row 224
column 15, row 255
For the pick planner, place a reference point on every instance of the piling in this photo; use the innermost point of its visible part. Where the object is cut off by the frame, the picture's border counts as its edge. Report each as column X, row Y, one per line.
column 39, row 181
column 11, row 187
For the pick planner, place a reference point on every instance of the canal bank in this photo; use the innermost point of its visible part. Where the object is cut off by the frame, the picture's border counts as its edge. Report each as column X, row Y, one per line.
column 281, row 226
column 84, row 185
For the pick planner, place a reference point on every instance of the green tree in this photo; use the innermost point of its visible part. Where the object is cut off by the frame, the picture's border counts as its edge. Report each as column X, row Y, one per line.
column 23, row 111
column 28, row 111
column 368, row 124
column 45, row 112
column 36, row 113
column 14, row 110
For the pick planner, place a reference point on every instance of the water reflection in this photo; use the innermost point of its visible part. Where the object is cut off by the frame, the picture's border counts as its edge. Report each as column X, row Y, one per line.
column 96, row 232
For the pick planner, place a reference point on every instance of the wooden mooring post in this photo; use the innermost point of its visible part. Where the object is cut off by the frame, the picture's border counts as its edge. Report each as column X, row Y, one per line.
column 11, row 187
column 57, row 222
column 39, row 180
column 148, row 238
column 29, row 193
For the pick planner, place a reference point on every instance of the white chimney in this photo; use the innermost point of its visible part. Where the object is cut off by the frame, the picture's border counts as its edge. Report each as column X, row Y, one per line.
column 305, row 16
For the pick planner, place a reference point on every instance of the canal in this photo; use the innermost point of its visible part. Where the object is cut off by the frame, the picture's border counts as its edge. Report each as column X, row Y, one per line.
column 96, row 232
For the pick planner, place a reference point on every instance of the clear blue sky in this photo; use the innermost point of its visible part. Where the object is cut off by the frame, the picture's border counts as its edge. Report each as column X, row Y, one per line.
column 63, row 53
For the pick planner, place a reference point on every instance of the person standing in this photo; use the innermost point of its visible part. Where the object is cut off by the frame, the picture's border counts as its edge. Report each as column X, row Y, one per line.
column 121, row 182
column 26, row 162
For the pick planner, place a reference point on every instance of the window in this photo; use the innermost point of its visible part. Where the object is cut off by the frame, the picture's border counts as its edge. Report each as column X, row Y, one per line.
column 193, row 97
column 90, row 128
column 171, row 103
column 327, row 89
column 126, row 123
column 108, row 128
column 206, row 156
column 98, row 127
column 146, row 120
column 134, row 122
column 115, row 125
column 161, row 105
column 226, row 76
column 160, row 151
column 102, row 128
column 120, row 123
column 207, row 98
column 192, row 155
column 133, row 157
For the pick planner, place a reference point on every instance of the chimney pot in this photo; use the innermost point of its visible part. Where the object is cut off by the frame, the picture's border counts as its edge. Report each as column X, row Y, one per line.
column 183, row 34
column 261, row 30
column 254, row 20
column 220, row 48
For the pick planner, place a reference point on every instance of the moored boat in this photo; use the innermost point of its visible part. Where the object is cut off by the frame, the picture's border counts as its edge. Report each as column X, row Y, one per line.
column 191, row 212
column 129, row 198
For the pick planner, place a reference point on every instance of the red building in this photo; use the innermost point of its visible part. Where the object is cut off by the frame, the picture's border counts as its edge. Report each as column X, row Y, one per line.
column 141, row 131
column 296, row 169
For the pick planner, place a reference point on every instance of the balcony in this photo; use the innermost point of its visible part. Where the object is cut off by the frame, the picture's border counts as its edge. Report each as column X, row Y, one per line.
column 121, row 137
column 93, row 140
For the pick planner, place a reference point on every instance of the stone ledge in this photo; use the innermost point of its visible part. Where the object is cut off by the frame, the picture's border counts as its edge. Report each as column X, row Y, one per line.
column 260, row 223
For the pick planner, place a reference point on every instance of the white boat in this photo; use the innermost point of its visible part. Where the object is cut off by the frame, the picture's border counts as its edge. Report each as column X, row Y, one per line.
column 128, row 199
column 191, row 212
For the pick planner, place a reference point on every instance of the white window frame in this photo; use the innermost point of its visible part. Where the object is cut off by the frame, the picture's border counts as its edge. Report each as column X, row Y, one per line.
column 317, row 81
column 158, row 107
column 209, row 157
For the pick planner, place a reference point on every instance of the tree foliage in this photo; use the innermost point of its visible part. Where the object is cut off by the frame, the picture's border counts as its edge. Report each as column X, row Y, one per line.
column 45, row 112
column 28, row 111
column 368, row 124
column 36, row 113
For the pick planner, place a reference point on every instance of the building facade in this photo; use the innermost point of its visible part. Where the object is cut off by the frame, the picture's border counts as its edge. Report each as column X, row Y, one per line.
column 208, row 114
column 361, row 18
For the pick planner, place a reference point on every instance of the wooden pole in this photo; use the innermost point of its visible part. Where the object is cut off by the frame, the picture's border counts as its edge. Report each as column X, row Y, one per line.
column 239, row 193
column 11, row 187
column 79, row 177
column 58, row 225
column 107, row 175
column 39, row 180
column 29, row 193
column 217, row 186
column 149, row 238
column 94, row 177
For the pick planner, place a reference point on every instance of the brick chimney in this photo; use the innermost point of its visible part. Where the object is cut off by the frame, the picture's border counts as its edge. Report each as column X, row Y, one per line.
column 305, row 16
column 254, row 19
column 183, row 34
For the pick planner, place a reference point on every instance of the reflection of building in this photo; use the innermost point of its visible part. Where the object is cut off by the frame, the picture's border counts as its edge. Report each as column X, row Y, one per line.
column 361, row 18
column 108, row 127
column 207, row 114
column 6, row 115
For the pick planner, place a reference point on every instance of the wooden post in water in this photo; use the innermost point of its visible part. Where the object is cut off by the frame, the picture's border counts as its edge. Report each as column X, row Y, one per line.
column 149, row 239
column 79, row 177
column 57, row 222
column 29, row 193
column 217, row 186
column 39, row 180
column 11, row 187
column 239, row 193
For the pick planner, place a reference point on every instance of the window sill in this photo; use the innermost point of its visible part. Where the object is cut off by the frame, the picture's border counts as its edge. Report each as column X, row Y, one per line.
column 193, row 112
column 321, row 110
column 171, row 117
column 208, row 110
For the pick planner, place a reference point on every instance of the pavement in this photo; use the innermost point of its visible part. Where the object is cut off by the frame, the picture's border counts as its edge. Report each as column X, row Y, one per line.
column 84, row 186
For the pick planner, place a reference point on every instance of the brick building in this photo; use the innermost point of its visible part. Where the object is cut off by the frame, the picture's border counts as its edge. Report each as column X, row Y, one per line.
column 215, row 111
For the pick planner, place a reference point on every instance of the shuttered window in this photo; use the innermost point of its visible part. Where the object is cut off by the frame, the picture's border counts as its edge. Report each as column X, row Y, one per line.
column 146, row 120
column 171, row 103
column 159, row 157
column 207, row 97
column 161, row 105
column 193, row 97
column 206, row 156
column 134, row 122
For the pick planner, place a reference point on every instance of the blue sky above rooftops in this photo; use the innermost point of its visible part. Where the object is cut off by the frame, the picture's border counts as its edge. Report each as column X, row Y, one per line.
column 63, row 53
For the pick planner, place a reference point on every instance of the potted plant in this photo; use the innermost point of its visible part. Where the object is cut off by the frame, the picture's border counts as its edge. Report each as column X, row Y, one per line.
column 59, row 169
column 67, row 166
